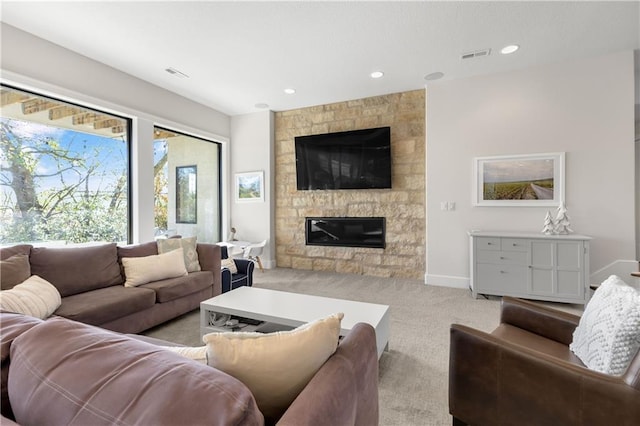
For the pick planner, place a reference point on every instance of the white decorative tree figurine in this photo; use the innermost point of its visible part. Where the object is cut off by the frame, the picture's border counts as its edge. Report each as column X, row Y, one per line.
column 562, row 221
column 549, row 226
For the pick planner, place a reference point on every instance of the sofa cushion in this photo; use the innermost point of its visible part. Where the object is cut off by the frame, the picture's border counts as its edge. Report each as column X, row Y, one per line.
column 11, row 326
column 608, row 335
column 138, row 250
column 106, row 304
column 142, row 270
column 275, row 366
column 74, row 270
column 188, row 245
column 14, row 270
column 7, row 252
column 34, row 297
column 175, row 288
column 98, row 377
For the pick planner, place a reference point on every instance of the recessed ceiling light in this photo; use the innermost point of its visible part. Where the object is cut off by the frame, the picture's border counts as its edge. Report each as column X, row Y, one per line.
column 377, row 74
column 261, row 105
column 433, row 76
column 509, row 49
column 290, row 91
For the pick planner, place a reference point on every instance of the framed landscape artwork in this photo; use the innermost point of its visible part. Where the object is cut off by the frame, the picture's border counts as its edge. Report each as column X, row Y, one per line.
column 249, row 187
column 186, row 194
column 519, row 180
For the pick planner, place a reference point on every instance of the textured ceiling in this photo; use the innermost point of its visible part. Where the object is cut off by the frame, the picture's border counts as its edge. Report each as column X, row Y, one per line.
column 239, row 54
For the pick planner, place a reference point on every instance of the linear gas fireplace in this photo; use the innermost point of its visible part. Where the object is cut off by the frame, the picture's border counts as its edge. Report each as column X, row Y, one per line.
column 345, row 231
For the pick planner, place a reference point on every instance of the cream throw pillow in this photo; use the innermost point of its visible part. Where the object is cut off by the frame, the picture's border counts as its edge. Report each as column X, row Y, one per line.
column 35, row 297
column 277, row 366
column 608, row 335
column 188, row 245
column 142, row 270
column 230, row 264
column 198, row 354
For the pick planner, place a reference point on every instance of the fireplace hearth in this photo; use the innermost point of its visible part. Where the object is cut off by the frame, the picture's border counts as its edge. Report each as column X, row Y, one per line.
column 345, row 231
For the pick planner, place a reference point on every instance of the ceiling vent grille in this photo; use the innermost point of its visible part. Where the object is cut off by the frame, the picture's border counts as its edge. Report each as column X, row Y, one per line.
column 176, row 73
column 476, row 54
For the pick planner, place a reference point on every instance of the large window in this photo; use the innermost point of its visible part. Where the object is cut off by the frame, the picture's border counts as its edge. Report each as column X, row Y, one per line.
column 64, row 172
column 186, row 186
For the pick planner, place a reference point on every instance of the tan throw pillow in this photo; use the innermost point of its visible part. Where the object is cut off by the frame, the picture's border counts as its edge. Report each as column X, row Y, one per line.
column 230, row 264
column 14, row 270
column 198, row 354
column 142, row 270
column 35, row 297
column 277, row 366
column 188, row 245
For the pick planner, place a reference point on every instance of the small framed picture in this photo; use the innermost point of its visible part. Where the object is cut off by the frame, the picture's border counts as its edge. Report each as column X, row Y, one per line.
column 519, row 180
column 249, row 187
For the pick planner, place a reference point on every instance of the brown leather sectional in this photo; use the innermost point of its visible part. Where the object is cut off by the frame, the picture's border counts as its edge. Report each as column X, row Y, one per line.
column 90, row 281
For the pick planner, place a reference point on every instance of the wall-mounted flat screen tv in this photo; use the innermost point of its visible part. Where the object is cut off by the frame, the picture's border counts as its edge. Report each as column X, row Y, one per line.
column 356, row 159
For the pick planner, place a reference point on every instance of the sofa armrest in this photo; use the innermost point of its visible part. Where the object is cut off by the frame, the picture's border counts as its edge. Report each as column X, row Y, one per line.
column 209, row 258
column 550, row 323
column 492, row 381
column 225, row 279
column 246, row 266
column 345, row 389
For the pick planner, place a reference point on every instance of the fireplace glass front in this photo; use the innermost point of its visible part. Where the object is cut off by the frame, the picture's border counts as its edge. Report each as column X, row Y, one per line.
column 345, row 231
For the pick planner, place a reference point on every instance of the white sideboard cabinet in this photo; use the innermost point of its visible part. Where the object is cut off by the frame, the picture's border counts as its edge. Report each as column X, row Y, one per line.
column 530, row 266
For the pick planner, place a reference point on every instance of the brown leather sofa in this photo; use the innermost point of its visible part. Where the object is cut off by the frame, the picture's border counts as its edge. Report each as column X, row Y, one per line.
column 64, row 372
column 523, row 373
column 90, row 281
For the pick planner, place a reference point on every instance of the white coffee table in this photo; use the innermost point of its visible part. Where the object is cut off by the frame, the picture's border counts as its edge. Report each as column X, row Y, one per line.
column 293, row 310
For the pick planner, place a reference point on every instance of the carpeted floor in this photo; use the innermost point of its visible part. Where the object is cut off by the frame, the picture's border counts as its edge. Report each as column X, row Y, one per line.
column 414, row 373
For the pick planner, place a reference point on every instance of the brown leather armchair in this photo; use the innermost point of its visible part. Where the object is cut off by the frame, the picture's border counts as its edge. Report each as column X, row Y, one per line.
column 523, row 373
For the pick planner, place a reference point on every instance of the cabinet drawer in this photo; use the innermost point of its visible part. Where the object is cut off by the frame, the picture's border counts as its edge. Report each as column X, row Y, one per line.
column 502, row 257
column 514, row 244
column 486, row 243
column 501, row 279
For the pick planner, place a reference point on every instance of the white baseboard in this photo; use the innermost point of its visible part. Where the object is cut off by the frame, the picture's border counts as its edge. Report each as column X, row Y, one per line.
column 447, row 281
column 621, row 268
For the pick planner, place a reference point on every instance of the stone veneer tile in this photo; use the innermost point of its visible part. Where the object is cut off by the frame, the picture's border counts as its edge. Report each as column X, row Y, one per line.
column 403, row 205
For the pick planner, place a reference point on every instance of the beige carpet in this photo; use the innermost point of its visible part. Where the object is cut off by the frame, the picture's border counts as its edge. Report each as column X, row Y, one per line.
column 413, row 374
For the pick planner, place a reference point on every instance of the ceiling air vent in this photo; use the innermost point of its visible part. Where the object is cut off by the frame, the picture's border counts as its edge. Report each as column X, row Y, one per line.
column 476, row 54
column 176, row 73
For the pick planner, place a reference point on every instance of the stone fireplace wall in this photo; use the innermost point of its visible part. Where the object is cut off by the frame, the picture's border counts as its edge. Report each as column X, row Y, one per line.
column 403, row 206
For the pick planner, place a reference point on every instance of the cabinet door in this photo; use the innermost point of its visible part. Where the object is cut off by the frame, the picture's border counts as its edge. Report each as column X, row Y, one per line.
column 542, row 268
column 556, row 269
column 570, row 258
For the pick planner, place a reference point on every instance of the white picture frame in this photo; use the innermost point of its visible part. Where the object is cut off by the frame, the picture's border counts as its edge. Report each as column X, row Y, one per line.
column 249, row 187
column 531, row 180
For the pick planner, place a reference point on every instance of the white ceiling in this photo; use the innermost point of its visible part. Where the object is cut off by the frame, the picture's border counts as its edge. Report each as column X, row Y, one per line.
column 238, row 54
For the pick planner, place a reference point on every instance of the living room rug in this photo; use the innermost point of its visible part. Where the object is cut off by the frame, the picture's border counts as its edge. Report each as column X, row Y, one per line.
column 413, row 376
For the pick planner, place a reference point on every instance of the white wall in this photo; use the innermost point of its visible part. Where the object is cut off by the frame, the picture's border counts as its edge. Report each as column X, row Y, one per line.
column 584, row 108
column 252, row 149
column 35, row 64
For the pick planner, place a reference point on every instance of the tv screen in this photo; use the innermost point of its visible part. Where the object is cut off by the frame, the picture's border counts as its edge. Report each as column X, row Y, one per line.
column 357, row 159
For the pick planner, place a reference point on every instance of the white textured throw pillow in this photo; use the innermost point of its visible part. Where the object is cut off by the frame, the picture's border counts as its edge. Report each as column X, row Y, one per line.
column 190, row 251
column 608, row 335
column 142, row 270
column 35, row 297
column 277, row 366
